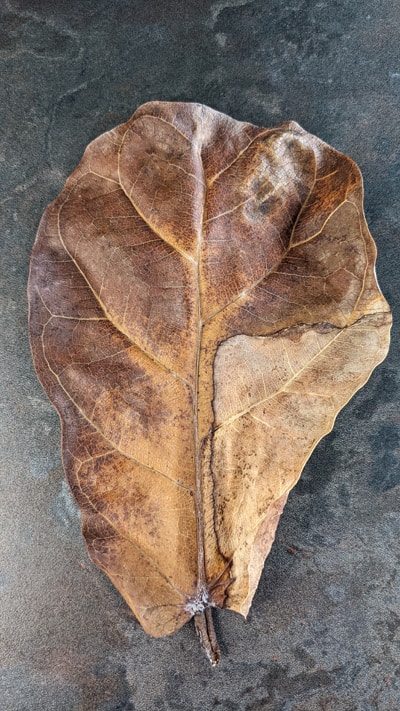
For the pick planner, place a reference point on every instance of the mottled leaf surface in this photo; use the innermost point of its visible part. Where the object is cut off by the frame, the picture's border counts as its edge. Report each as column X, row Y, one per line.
column 203, row 302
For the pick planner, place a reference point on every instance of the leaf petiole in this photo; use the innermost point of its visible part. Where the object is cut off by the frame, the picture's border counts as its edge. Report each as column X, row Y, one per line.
column 204, row 626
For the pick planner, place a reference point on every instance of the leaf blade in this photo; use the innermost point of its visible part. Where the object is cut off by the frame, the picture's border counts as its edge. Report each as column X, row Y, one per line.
column 186, row 247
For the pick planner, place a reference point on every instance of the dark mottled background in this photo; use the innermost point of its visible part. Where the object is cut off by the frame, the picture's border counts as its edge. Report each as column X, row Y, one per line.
column 324, row 630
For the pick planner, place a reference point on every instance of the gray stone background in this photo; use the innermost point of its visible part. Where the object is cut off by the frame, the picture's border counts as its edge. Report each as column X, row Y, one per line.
column 324, row 630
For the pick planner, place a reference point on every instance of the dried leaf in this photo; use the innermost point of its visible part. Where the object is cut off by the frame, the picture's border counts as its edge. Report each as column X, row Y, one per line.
column 203, row 302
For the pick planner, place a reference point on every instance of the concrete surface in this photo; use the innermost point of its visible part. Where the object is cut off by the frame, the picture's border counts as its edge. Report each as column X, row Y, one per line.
column 324, row 630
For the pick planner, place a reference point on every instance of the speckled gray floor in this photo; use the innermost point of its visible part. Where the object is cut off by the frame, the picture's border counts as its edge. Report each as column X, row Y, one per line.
column 324, row 630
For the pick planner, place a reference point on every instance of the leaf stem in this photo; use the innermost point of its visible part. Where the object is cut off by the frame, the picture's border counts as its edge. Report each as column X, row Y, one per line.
column 204, row 626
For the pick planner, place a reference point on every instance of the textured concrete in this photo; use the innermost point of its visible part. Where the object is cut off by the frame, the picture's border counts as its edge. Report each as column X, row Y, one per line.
column 324, row 630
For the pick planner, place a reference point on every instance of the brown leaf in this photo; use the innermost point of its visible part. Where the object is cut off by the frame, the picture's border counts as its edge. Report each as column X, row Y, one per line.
column 203, row 303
